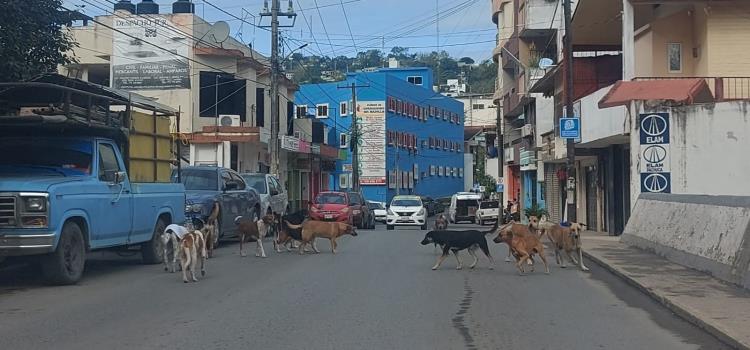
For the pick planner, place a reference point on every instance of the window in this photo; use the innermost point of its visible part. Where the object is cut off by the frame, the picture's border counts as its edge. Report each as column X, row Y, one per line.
column 344, row 180
column 400, row 107
column 108, row 164
column 344, row 108
column 225, row 178
column 416, row 80
column 674, row 57
column 240, row 182
column 477, row 106
column 221, row 93
column 344, row 140
column 258, row 182
column 301, row 112
column 322, row 110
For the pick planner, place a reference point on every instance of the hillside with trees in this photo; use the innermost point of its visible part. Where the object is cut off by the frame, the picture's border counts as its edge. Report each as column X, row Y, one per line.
column 318, row 69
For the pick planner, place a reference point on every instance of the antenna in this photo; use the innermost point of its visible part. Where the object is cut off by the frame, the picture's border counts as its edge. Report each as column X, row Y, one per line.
column 220, row 31
column 546, row 63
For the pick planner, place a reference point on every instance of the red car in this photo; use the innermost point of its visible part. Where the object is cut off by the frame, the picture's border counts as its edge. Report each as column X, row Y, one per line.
column 331, row 206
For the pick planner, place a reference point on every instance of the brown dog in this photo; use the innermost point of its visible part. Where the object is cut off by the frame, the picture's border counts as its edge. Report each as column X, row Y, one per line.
column 566, row 239
column 441, row 223
column 523, row 245
column 312, row 229
column 209, row 230
column 192, row 250
column 254, row 232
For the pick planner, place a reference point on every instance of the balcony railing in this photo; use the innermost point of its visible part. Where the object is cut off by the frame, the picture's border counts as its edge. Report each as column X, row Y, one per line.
column 723, row 88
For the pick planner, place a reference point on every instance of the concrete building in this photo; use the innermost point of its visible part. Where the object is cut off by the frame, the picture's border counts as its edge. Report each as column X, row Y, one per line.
column 659, row 48
column 527, row 32
column 219, row 84
column 412, row 137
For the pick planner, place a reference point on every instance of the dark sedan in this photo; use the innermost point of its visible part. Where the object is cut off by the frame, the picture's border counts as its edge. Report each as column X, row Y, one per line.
column 206, row 185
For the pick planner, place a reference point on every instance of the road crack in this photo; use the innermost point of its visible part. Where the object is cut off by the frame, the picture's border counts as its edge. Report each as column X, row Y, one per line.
column 459, row 320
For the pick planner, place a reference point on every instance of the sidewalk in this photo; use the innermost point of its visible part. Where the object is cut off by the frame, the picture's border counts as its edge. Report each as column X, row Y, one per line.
column 721, row 309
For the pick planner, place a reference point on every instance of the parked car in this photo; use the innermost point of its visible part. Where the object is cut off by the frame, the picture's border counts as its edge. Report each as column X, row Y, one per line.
column 378, row 210
column 206, row 185
column 362, row 216
column 273, row 196
column 66, row 185
column 488, row 210
column 331, row 206
column 430, row 205
column 464, row 207
column 406, row 211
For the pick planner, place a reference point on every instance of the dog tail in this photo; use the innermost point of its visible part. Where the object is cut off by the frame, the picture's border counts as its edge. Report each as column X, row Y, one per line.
column 483, row 246
column 292, row 226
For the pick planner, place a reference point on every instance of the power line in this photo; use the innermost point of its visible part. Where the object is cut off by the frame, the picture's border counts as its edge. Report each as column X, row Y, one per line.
column 325, row 30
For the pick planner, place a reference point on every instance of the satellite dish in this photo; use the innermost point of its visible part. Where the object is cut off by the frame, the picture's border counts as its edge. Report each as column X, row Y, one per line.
column 220, row 31
column 546, row 63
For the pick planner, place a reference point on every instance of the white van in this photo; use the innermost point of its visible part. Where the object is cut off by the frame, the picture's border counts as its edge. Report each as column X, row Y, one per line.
column 464, row 206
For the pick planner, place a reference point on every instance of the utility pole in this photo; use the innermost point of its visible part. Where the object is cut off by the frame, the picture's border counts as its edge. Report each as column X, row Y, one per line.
column 571, row 148
column 354, row 138
column 500, row 153
column 274, row 13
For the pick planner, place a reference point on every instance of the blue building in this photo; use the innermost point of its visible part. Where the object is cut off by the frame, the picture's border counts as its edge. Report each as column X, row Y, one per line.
column 412, row 137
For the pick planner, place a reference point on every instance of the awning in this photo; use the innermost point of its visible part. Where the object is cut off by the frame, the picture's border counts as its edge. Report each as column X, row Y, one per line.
column 679, row 91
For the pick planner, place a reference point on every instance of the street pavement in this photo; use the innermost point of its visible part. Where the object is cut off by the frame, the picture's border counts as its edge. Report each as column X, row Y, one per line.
column 378, row 292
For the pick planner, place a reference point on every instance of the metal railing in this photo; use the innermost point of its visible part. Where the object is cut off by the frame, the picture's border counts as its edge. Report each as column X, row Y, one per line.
column 723, row 88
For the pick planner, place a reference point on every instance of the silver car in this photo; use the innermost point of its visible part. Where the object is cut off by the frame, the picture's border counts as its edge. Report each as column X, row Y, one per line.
column 273, row 196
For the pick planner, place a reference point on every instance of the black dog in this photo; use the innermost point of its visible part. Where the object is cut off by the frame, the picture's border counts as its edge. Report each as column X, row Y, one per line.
column 286, row 234
column 455, row 241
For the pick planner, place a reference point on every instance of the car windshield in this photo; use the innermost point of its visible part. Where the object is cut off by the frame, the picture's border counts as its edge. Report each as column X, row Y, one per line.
column 258, row 182
column 406, row 203
column 354, row 199
column 489, row 205
column 198, row 179
column 331, row 198
column 374, row 206
column 46, row 156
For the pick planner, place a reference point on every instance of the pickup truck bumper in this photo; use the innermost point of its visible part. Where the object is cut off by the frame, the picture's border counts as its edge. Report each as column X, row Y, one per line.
column 12, row 244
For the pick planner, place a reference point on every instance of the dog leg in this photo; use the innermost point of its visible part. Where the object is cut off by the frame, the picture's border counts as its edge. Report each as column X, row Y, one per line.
column 314, row 246
column 580, row 260
column 458, row 260
column 333, row 245
column 194, row 263
column 544, row 259
column 260, row 248
column 242, row 242
column 472, row 252
column 184, row 262
column 302, row 248
column 439, row 261
column 165, row 247
column 507, row 258
column 519, row 264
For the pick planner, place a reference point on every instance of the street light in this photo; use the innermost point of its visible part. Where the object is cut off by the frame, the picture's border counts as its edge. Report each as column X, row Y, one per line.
column 293, row 51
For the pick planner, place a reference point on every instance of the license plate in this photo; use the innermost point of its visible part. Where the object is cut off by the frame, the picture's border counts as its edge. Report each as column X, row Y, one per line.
column 328, row 216
column 404, row 220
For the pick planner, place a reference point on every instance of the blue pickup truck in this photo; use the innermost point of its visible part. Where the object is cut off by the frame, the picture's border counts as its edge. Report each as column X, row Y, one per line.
column 69, row 185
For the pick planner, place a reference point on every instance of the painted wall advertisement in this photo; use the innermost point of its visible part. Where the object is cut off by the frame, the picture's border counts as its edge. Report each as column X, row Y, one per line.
column 372, row 148
column 138, row 65
column 655, row 153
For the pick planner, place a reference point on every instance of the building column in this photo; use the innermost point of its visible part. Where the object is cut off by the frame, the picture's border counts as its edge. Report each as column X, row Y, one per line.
column 628, row 41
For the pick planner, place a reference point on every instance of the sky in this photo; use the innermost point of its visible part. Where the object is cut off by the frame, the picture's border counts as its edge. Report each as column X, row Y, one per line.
column 466, row 27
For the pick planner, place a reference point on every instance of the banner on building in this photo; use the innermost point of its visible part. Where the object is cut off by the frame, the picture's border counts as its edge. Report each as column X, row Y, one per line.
column 655, row 166
column 148, row 54
column 372, row 147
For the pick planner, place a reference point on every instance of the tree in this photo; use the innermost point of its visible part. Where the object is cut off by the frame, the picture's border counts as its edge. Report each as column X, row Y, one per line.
column 466, row 60
column 32, row 38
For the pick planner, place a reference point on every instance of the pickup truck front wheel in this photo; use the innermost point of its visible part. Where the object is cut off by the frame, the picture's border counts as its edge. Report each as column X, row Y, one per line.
column 152, row 252
column 65, row 265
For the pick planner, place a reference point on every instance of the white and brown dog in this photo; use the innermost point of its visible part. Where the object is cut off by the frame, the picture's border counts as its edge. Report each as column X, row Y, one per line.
column 186, row 244
column 209, row 230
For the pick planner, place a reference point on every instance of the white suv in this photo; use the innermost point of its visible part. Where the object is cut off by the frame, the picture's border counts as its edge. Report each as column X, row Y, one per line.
column 406, row 211
column 488, row 210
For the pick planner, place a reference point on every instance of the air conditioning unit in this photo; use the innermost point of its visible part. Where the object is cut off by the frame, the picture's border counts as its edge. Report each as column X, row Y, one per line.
column 527, row 130
column 510, row 155
column 229, row 120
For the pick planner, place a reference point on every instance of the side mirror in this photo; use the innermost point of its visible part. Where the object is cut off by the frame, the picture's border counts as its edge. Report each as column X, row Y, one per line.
column 119, row 177
column 274, row 192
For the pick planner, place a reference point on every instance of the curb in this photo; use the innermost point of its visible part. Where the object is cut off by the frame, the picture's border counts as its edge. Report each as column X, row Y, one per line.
column 683, row 311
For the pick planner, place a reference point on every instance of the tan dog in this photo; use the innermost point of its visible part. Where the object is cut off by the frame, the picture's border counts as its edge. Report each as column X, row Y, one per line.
column 312, row 229
column 192, row 249
column 566, row 239
column 523, row 245
column 253, row 231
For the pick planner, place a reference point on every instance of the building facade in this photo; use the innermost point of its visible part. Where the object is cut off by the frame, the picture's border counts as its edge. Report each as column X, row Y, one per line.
column 411, row 137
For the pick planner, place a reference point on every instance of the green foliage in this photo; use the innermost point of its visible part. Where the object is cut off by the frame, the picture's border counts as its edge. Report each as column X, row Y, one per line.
column 32, row 38
column 317, row 69
column 535, row 210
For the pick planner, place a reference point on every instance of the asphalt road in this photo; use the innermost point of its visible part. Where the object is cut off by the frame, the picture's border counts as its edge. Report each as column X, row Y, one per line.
column 378, row 292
